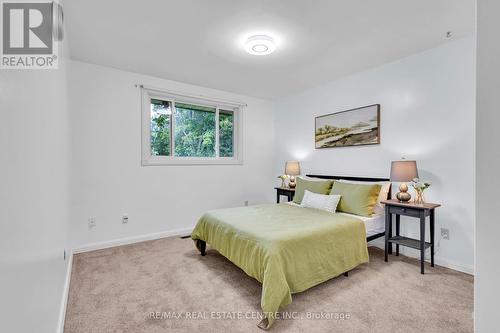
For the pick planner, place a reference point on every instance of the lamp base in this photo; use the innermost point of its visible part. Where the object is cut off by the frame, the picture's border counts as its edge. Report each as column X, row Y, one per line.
column 403, row 195
column 292, row 183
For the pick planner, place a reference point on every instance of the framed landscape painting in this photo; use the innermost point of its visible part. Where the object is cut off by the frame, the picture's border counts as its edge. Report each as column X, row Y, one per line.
column 354, row 127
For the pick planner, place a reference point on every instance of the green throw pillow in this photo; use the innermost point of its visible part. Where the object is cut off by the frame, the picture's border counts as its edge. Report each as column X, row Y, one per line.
column 320, row 187
column 358, row 199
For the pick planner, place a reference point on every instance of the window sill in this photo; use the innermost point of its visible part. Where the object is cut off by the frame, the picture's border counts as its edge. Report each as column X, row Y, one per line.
column 157, row 161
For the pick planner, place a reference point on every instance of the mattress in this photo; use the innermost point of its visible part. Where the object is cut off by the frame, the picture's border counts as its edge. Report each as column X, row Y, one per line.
column 373, row 225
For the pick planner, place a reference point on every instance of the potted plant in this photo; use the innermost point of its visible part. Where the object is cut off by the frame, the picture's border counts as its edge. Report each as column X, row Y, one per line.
column 283, row 178
column 419, row 187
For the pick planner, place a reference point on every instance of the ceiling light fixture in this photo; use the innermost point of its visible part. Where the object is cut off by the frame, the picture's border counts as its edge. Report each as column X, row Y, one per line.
column 260, row 45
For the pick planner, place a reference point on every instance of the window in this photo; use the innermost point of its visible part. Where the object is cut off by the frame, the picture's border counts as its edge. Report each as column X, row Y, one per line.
column 194, row 130
column 161, row 113
column 180, row 129
column 226, row 130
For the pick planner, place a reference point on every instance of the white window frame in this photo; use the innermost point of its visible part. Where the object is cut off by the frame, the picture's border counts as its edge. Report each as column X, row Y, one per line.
column 154, row 93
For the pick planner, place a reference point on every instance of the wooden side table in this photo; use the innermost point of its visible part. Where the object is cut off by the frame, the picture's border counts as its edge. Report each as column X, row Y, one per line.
column 420, row 211
column 287, row 192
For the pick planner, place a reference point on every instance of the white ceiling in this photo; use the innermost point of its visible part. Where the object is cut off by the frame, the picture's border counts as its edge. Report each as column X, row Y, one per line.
column 198, row 41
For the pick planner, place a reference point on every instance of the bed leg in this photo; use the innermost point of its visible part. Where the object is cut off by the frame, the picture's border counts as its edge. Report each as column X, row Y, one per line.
column 346, row 274
column 202, row 246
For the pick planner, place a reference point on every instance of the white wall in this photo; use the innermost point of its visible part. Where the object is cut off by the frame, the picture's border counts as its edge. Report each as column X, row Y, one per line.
column 427, row 113
column 106, row 162
column 34, row 197
column 487, row 291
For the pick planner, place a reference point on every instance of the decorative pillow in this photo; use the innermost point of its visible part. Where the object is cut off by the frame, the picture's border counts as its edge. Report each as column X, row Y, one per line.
column 384, row 191
column 320, row 201
column 320, row 187
column 356, row 198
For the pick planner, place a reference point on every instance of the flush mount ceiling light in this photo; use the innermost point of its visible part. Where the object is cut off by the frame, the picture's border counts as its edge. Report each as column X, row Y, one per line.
column 260, row 45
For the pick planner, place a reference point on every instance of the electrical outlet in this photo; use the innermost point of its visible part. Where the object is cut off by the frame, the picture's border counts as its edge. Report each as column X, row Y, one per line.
column 445, row 233
column 246, row 203
column 92, row 222
column 125, row 218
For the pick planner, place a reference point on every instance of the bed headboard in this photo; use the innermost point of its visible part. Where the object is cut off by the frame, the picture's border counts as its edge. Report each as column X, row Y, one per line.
column 358, row 179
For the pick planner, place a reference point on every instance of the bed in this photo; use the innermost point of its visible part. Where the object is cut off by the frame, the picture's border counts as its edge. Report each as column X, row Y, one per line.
column 288, row 248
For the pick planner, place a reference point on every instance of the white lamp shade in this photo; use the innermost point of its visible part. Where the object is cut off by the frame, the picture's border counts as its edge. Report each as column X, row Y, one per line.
column 292, row 168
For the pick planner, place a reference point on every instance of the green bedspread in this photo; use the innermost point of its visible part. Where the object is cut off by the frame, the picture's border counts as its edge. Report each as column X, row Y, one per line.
column 287, row 248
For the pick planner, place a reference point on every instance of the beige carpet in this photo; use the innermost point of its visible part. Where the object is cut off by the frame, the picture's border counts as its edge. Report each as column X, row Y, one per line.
column 115, row 290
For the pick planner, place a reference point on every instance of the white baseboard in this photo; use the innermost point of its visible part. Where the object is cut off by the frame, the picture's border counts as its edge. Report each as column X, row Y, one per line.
column 64, row 300
column 412, row 253
column 132, row 240
column 186, row 231
column 105, row 245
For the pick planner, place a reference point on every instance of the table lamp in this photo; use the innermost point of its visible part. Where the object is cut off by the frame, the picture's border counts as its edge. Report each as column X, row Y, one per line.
column 403, row 171
column 292, row 168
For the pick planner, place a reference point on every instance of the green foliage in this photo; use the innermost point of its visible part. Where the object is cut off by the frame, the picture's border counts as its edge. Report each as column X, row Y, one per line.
column 160, row 129
column 194, row 130
column 226, row 134
column 418, row 185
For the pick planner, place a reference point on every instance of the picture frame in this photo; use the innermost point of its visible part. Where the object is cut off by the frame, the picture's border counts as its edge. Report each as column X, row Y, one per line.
column 353, row 127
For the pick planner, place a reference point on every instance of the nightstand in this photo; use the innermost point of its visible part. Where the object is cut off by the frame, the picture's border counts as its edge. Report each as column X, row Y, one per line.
column 287, row 192
column 420, row 211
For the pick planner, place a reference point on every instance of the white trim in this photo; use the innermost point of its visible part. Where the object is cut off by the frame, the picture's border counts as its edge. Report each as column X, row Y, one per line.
column 172, row 131
column 165, row 160
column 132, row 240
column 64, row 300
column 217, row 134
column 105, row 245
column 182, row 95
column 412, row 253
column 148, row 160
column 469, row 269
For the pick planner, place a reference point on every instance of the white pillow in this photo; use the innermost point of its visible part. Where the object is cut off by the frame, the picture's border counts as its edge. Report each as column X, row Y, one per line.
column 320, row 201
column 384, row 191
